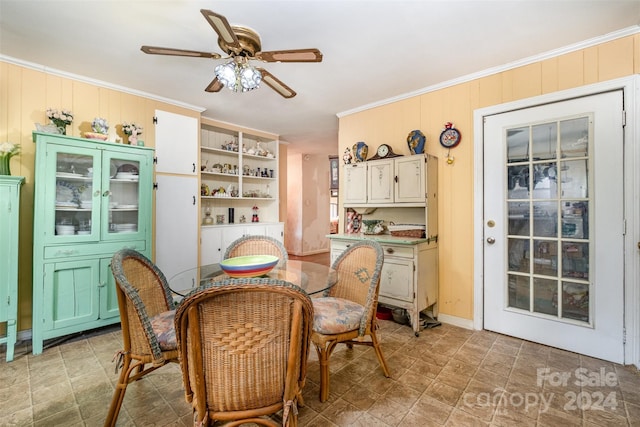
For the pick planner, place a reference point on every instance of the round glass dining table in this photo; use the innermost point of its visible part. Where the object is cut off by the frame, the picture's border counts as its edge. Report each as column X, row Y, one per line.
column 312, row 277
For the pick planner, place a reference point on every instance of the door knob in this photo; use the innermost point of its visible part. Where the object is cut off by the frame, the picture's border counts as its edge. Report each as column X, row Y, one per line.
column 491, row 240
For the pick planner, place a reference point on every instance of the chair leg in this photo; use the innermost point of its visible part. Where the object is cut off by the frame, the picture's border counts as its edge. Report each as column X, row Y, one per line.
column 118, row 393
column 376, row 346
column 324, row 352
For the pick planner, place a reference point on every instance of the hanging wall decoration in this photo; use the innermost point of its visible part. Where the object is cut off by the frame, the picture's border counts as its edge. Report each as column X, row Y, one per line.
column 450, row 138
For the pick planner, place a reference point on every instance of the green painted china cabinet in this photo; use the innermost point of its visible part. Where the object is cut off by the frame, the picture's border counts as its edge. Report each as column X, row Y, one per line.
column 92, row 198
column 9, row 219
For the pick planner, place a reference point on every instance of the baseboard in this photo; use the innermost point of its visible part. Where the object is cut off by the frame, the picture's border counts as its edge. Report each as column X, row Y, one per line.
column 455, row 321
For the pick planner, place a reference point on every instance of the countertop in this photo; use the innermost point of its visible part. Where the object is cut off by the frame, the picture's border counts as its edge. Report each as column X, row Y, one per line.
column 380, row 238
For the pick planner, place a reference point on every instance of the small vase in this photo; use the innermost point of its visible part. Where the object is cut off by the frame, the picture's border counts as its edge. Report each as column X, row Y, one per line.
column 62, row 127
column 4, row 165
column 133, row 140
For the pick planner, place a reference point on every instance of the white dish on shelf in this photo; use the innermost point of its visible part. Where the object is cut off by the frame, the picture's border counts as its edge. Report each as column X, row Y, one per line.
column 68, row 175
column 66, row 204
column 125, row 227
column 65, row 230
column 129, row 176
column 126, row 207
column 86, row 205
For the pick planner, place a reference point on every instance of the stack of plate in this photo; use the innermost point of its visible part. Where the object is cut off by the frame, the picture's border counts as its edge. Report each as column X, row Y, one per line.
column 125, row 228
column 65, row 230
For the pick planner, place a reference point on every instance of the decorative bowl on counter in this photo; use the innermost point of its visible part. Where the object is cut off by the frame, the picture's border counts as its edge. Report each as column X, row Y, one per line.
column 249, row 265
column 372, row 226
column 96, row 135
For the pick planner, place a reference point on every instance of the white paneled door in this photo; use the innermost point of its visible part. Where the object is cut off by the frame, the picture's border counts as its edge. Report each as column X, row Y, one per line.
column 554, row 225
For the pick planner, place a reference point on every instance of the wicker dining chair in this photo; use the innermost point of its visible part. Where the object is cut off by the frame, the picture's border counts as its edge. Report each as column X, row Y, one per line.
column 244, row 345
column 257, row 245
column 346, row 312
column 147, row 321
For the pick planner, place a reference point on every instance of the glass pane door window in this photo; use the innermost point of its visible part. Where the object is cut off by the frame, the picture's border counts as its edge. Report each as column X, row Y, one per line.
column 548, row 246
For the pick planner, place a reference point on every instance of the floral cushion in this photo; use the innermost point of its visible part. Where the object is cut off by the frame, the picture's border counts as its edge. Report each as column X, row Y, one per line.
column 162, row 325
column 336, row 315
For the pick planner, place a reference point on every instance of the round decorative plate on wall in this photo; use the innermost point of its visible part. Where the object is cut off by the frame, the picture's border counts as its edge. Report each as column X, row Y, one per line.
column 360, row 151
column 416, row 141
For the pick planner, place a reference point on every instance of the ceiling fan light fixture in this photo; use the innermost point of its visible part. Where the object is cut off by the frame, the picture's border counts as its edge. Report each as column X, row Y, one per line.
column 250, row 78
column 238, row 76
column 226, row 73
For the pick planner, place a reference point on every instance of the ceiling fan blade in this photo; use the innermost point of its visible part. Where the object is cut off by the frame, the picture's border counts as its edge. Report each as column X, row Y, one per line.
column 155, row 50
column 276, row 84
column 222, row 27
column 296, row 55
column 214, row 86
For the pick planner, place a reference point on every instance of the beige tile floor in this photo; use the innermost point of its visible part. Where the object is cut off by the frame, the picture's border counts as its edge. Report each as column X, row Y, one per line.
column 446, row 376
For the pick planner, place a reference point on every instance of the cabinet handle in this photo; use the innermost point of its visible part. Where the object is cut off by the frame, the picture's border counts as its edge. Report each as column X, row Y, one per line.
column 194, row 200
column 96, row 193
column 101, row 284
column 194, row 167
column 390, row 250
column 395, row 178
column 106, row 193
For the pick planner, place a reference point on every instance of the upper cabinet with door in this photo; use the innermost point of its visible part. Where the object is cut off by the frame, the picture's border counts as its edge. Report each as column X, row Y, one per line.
column 386, row 182
column 92, row 198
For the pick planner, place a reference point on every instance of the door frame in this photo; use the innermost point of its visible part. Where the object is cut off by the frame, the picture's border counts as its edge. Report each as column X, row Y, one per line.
column 631, row 134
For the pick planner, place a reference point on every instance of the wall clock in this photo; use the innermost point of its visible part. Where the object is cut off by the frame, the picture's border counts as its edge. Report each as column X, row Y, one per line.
column 450, row 136
column 384, row 151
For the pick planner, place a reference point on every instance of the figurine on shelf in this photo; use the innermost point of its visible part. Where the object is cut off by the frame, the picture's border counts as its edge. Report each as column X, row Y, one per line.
column 259, row 150
column 208, row 220
column 346, row 157
column 255, row 217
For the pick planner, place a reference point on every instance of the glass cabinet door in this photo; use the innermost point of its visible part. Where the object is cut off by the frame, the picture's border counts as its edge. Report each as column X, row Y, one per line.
column 75, row 174
column 121, row 194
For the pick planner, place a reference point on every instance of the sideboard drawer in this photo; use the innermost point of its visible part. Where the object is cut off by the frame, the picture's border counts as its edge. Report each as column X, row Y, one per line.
column 398, row 251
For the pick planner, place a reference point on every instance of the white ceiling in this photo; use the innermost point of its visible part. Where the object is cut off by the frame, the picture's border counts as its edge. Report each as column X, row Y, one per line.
column 373, row 50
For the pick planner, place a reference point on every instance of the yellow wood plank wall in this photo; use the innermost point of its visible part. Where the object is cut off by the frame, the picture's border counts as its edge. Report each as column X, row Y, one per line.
column 428, row 112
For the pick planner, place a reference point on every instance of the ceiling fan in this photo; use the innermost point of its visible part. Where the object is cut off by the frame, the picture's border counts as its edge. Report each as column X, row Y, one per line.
column 242, row 44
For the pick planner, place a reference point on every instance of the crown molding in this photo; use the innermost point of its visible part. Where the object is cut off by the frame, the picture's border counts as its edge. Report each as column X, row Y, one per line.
column 505, row 67
column 99, row 83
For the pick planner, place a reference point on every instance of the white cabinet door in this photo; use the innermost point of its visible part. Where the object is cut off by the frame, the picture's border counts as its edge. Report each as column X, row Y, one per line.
column 210, row 245
column 231, row 233
column 176, row 143
column 355, row 183
column 276, row 231
column 380, row 179
column 396, row 279
column 410, row 181
column 176, row 239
